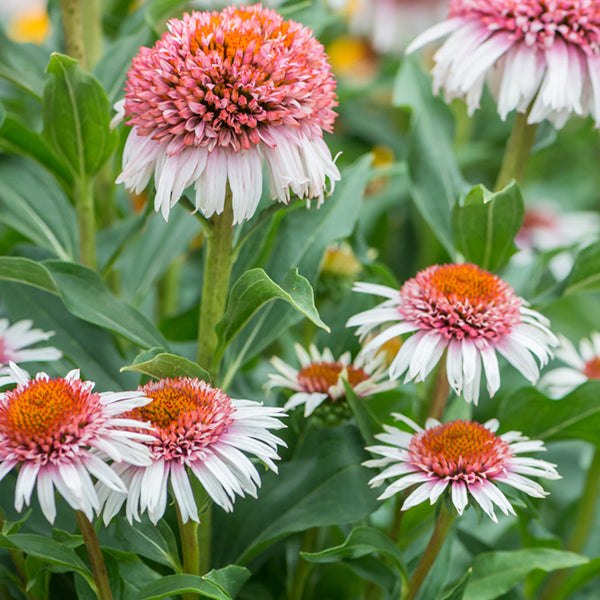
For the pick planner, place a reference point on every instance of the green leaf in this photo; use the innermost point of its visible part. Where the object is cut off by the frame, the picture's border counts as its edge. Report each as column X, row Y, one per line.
column 576, row 416
column 45, row 548
column 311, row 490
column 253, row 290
column 361, row 541
column 436, row 181
column 485, row 224
column 76, row 116
column 17, row 138
column 230, row 578
column 23, row 65
column 162, row 365
column 458, row 591
column 366, row 420
column 578, row 579
column 27, row 271
column 34, row 205
column 86, row 295
column 91, row 348
column 213, row 585
column 585, row 275
column 495, row 573
column 302, row 237
column 156, row 543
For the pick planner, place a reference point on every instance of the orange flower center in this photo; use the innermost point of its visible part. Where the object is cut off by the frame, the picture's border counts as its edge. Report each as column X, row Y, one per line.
column 42, row 408
column 592, row 368
column 458, row 449
column 320, row 376
column 246, row 37
column 188, row 415
column 466, row 282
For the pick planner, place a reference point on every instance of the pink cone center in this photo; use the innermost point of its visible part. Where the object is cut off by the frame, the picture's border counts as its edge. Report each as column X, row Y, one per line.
column 460, row 301
column 218, row 79
column 48, row 419
column 188, row 415
column 459, row 450
column 537, row 22
column 592, row 368
column 320, row 376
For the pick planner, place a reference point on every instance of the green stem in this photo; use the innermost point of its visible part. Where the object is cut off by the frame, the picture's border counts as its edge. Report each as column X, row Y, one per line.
column 517, row 152
column 303, row 567
column 437, row 402
column 195, row 544
column 586, row 512
column 86, row 222
column 217, row 269
column 442, row 527
column 72, row 19
column 91, row 11
column 95, row 555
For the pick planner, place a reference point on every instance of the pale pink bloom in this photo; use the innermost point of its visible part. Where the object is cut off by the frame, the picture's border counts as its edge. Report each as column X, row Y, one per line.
column 391, row 24
column 531, row 52
column 218, row 96
column 545, row 228
column 464, row 311
column 321, row 376
column 461, row 457
column 13, row 342
column 60, row 433
column 198, row 431
column 583, row 366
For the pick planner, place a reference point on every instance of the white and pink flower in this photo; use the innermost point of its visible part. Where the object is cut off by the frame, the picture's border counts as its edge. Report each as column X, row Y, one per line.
column 14, row 340
column 583, row 365
column 218, row 96
column 537, row 56
column 197, row 431
column 462, row 458
column 59, row 432
column 320, row 377
column 465, row 312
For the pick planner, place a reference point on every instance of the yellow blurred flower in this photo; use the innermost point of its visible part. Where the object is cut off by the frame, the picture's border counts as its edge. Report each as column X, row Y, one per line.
column 339, row 260
column 30, row 25
column 351, row 58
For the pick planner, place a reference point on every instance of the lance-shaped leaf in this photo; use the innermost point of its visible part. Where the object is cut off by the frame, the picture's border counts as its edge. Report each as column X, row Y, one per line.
column 254, row 289
column 585, row 275
column 495, row 573
column 157, row 363
column 361, row 541
column 85, row 295
column 485, row 224
column 435, row 180
column 223, row 584
column 576, row 416
column 76, row 116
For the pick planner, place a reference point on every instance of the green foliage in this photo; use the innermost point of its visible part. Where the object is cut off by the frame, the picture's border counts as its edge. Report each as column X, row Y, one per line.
column 485, row 223
column 76, row 117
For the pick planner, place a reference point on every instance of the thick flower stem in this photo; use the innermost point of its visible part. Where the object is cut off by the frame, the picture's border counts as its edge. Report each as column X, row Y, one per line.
column 87, row 48
column 86, row 222
column 95, row 555
column 439, row 397
column 72, row 19
column 217, row 269
column 583, row 524
column 517, row 152
column 195, row 545
column 442, row 527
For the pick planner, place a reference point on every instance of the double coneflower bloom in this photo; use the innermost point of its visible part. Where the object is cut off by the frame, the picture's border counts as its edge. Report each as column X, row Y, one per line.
column 537, row 56
column 219, row 96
